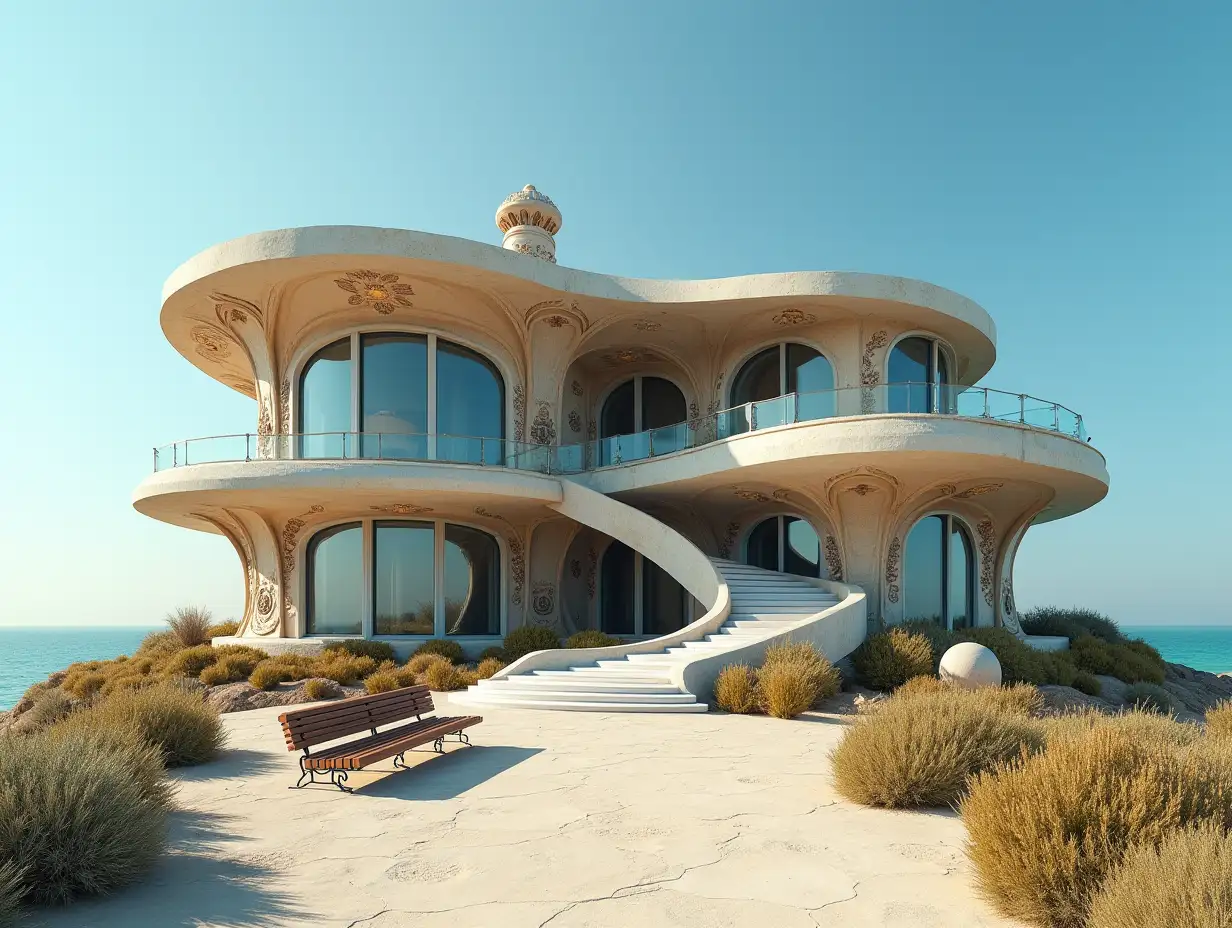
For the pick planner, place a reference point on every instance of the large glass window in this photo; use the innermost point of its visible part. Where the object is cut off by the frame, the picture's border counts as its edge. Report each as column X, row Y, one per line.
column 786, row 368
column 651, row 412
column 939, row 573
column 404, row 578
column 336, row 581
column 429, row 578
column 638, row 596
column 787, row 544
column 325, row 402
column 390, row 403
column 916, row 375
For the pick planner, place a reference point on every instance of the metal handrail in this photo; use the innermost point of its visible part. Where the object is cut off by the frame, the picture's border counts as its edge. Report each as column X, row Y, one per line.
column 907, row 398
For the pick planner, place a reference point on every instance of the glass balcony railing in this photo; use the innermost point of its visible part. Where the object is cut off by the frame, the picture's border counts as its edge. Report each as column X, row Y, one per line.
column 894, row 398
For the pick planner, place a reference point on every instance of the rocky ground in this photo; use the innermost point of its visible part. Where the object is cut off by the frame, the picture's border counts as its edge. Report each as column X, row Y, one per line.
column 1192, row 692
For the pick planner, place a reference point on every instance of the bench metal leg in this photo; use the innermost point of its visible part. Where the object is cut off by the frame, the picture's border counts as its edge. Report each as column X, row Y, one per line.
column 400, row 762
column 459, row 736
column 308, row 777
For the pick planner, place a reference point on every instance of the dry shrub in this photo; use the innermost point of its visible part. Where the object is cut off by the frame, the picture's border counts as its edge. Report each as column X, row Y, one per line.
column 11, row 891
column 126, row 681
column 444, row 647
column 268, row 674
column 468, row 676
column 82, row 812
column 528, row 638
column 735, row 689
column 49, row 707
column 158, row 646
column 360, row 647
column 381, row 682
column 420, row 663
column 297, row 666
column 488, row 666
column 889, row 659
column 84, row 684
column 1044, row 832
column 1141, row 726
column 223, row 629
column 191, row 661
column 320, row 688
column 922, row 750
column 235, row 663
column 592, row 638
column 191, row 625
column 1021, row 698
column 343, row 669
column 1185, row 881
column 793, row 678
column 922, row 686
column 1219, row 720
column 442, row 676
column 177, row 723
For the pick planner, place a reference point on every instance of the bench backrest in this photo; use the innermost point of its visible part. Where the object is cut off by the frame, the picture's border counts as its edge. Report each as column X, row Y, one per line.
column 307, row 727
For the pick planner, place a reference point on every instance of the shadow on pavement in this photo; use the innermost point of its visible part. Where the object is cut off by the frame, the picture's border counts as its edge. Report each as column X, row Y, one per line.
column 448, row 775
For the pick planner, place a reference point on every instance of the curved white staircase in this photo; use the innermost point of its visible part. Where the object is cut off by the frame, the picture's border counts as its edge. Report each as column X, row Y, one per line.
column 763, row 604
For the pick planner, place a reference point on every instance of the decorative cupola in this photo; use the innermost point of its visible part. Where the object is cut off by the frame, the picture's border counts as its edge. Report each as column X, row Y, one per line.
column 529, row 220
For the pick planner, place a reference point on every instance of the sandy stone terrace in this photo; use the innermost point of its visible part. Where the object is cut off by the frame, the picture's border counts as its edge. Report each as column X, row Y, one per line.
column 553, row 819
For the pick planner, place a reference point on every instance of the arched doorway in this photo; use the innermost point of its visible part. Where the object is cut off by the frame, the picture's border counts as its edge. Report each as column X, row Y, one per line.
column 637, row 597
column 643, row 416
column 918, row 372
column 939, row 573
column 787, row 544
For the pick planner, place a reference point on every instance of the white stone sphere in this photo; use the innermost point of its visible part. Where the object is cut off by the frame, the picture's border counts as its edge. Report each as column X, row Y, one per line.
column 970, row 665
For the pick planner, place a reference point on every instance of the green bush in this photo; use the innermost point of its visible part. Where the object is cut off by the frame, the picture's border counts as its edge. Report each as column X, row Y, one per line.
column 495, row 652
column 1020, row 663
column 889, row 659
column 1183, row 881
column 592, row 638
column 359, row 647
column 528, row 638
column 1123, row 661
column 1045, row 831
column 81, row 812
column 268, row 674
column 191, row 661
column 444, row 647
column 191, row 625
column 179, row 724
column 939, row 639
column 922, row 748
column 1070, row 623
column 320, row 688
column 1149, row 698
column 223, row 629
column 11, row 891
column 1087, row 683
column 735, row 689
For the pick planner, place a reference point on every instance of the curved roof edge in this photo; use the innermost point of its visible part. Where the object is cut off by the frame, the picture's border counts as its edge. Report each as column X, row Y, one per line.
column 317, row 241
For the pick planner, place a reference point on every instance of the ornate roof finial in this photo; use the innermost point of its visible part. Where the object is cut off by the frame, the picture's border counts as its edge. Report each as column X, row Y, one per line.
column 529, row 220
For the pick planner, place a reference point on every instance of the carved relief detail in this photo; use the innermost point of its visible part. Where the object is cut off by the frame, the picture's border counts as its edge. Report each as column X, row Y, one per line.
column 834, row 560
column 290, row 536
column 576, row 388
column 978, row 490
column 543, row 598
column 517, row 553
column 211, row 343
column 519, row 412
column 543, row 429
column 401, row 509
column 988, row 552
column 575, row 421
column 793, row 317
column 729, row 539
column 869, row 375
column 380, row 291
column 893, row 557
column 592, row 570
column 284, row 405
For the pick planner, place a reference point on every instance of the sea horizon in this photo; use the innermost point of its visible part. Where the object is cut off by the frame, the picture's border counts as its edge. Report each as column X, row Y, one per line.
column 35, row 651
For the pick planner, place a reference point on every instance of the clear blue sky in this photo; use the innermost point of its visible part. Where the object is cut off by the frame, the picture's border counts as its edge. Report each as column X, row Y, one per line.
column 1067, row 165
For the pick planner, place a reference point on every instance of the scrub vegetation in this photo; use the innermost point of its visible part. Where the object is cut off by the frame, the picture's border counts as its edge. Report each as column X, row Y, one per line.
column 793, row 678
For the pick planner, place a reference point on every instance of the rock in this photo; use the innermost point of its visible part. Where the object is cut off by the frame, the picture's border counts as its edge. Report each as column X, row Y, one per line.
column 332, row 689
column 6, row 719
column 1062, row 699
column 240, row 697
column 232, row 697
column 865, row 703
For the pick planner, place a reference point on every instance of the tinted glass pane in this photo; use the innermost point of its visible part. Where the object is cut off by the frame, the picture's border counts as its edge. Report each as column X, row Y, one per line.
column 618, row 417
column 664, row 602
column 922, row 571
column 470, row 404
column 758, row 379
column 803, row 553
column 394, row 395
column 472, row 582
column 662, row 403
column 616, row 607
column 325, row 401
column 403, row 583
column 762, row 549
column 961, row 573
column 336, row 581
column 908, row 374
column 810, row 376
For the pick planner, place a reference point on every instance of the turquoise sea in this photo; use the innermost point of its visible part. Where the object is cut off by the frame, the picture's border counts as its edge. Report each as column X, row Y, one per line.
column 30, row 654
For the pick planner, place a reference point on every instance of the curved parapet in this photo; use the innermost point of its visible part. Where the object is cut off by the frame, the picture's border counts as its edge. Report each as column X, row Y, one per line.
column 674, row 553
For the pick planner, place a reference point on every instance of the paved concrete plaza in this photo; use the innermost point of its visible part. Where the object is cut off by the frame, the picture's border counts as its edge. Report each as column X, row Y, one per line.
column 553, row 819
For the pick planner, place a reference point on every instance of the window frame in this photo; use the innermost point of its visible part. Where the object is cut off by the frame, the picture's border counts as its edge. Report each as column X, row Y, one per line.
column 781, row 346
column 782, row 517
column 948, row 521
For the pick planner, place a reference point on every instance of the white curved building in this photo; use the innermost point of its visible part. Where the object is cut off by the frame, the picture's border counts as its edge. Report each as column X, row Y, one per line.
column 454, row 439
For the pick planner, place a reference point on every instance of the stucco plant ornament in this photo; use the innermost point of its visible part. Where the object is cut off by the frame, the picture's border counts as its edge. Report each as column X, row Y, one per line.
column 893, row 557
column 517, row 553
column 834, row 560
column 543, row 598
column 382, row 292
column 793, row 317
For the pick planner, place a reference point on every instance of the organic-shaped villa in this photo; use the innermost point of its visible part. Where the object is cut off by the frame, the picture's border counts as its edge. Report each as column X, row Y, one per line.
column 454, row 439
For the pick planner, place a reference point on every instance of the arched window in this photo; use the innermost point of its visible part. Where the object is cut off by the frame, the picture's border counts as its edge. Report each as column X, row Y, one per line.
column 638, row 597
column 650, row 411
column 800, row 374
column 939, row 573
column 428, row 578
column 916, row 374
column 787, row 544
column 393, row 408
column 336, row 581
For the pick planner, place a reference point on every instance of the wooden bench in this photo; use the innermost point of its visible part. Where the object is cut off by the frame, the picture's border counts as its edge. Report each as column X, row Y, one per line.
column 305, row 729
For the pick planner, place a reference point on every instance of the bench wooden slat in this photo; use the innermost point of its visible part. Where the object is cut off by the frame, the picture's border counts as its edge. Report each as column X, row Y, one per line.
column 359, row 754
column 305, row 728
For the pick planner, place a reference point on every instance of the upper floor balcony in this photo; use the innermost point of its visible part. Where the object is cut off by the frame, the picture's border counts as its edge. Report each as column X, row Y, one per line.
column 895, row 399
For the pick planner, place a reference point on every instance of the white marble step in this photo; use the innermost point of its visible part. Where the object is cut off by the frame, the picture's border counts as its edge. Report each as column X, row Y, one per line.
column 602, row 684
column 546, row 693
column 577, row 705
